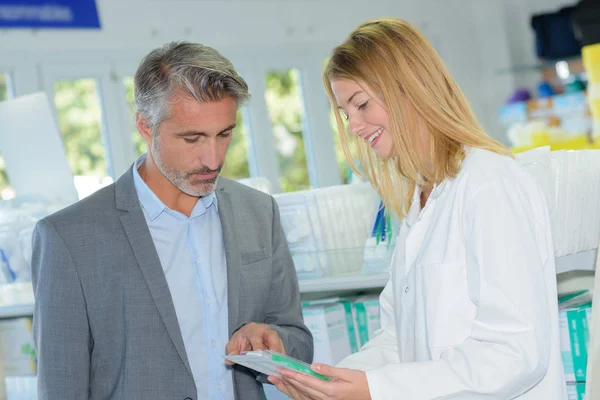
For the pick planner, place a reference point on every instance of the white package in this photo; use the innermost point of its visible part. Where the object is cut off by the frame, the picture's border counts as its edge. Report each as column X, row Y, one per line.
column 328, row 325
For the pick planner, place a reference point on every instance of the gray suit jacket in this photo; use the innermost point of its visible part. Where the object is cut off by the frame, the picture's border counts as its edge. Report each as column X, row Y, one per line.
column 104, row 322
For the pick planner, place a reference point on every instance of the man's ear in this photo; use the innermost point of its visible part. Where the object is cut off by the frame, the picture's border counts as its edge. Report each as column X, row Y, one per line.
column 144, row 128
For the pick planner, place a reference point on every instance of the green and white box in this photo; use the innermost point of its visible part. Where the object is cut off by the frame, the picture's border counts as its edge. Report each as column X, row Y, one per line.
column 574, row 341
column 328, row 324
column 366, row 315
column 17, row 347
column 576, row 391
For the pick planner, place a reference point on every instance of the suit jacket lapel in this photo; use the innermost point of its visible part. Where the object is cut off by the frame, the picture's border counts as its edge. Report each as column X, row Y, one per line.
column 232, row 254
column 142, row 244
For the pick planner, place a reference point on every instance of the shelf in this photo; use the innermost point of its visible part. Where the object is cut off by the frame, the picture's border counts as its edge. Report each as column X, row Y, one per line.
column 340, row 283
column 538, row 66
column 584, row 261
column 16, row 311
column 17, row 300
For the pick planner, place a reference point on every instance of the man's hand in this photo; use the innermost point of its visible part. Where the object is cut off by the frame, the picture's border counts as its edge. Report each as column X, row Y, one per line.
column 254, row 336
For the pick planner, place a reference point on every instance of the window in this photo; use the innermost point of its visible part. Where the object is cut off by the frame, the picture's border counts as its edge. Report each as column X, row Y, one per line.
column 139, row 146
column 346, row 172
column 80, row 121
column 284, row 102
column 236, row 161
column 6, row 191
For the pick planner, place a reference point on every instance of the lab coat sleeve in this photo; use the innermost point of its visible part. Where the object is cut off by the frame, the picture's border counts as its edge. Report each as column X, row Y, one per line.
column 508, row 350
column 383, row 348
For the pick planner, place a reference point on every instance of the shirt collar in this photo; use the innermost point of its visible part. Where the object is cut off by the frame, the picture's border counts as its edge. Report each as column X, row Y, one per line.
column 154, row 206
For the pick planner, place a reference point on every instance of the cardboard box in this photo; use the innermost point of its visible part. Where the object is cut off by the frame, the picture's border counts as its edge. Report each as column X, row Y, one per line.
column 328, row 323
column 17, row 347
column 576, row 391
column 574, row 340
column 366, row 315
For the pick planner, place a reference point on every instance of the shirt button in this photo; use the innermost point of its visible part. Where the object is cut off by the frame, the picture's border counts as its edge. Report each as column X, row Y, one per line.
column 219, row 386
column 213, row 343
column 208, row 301
column 199, row 260
column 406, row 290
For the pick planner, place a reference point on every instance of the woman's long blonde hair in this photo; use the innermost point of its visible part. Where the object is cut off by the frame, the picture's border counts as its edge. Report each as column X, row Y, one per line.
column 399, row 65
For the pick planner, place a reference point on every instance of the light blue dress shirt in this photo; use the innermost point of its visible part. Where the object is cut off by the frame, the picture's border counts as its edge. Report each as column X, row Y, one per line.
column 192, row 256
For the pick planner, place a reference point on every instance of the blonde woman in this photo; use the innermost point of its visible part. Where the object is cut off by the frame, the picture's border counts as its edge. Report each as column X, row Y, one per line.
column 470, row 311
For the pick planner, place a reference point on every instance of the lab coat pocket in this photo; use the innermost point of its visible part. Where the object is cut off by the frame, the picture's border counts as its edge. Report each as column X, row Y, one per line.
column 448, row 310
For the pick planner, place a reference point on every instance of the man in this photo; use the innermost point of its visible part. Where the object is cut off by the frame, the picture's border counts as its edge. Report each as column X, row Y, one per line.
column 139, row 286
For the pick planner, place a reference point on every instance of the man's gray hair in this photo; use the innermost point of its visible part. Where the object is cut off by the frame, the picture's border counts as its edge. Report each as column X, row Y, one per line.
column 187, row 68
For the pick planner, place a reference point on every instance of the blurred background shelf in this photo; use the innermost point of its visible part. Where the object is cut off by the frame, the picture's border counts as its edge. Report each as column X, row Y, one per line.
column 341, row 283
column 17, row 300
column 584, row 261
column 16, row 311
column 574, row 63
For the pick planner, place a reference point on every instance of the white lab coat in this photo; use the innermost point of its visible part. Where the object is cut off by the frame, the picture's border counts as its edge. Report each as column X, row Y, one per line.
column 470, row 311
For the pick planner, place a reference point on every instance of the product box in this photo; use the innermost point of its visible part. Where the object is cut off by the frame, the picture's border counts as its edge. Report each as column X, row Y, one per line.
column 366, row 315
column 17, row 347
column 574, row 340
column 328, row 323
column 576, row 391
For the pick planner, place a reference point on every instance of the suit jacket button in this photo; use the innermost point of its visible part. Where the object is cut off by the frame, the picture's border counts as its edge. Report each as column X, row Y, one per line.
column 188, row 398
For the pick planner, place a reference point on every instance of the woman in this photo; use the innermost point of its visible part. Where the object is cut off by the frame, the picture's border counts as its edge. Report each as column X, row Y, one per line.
column 470, row 311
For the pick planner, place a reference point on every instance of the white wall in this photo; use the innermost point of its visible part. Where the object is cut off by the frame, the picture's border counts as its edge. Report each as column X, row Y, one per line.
column 474, row 37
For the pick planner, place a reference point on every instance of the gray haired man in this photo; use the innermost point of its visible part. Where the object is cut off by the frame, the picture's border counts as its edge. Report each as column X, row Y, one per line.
column 141, row 288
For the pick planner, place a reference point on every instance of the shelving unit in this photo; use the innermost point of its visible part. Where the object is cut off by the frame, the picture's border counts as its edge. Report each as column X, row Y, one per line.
column 333, row 284
column 17, row 300
column 542, row 65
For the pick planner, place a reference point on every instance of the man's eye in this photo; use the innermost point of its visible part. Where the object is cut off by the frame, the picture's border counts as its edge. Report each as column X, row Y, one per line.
column 190, row 140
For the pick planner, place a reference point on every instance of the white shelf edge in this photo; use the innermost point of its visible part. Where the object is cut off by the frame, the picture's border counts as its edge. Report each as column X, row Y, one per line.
column 584, row 261
column 332, row 284
column 20, row 310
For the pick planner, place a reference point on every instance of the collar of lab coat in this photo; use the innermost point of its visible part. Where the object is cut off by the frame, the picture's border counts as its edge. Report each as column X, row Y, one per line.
column 414, row 213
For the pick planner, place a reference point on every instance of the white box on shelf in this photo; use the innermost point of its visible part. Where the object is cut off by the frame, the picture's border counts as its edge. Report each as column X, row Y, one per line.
column 326, row 228
column 328, row 324
column 365, row 311
column 574, row 338
column 17, row 346
column 21, row 387
column 576, row 391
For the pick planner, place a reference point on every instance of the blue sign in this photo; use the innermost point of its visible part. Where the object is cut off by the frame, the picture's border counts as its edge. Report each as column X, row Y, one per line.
column 67, row 14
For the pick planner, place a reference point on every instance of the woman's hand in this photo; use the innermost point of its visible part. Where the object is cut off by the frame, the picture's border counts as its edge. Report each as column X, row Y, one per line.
column 343, row 384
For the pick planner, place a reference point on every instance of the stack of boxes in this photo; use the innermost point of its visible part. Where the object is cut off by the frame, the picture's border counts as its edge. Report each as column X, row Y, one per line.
column 574, row 321
column 341, row 325
column 326, row 228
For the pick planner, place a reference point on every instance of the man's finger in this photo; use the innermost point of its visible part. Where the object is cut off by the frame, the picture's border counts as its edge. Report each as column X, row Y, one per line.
column 257, row 343
column 274, row 342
